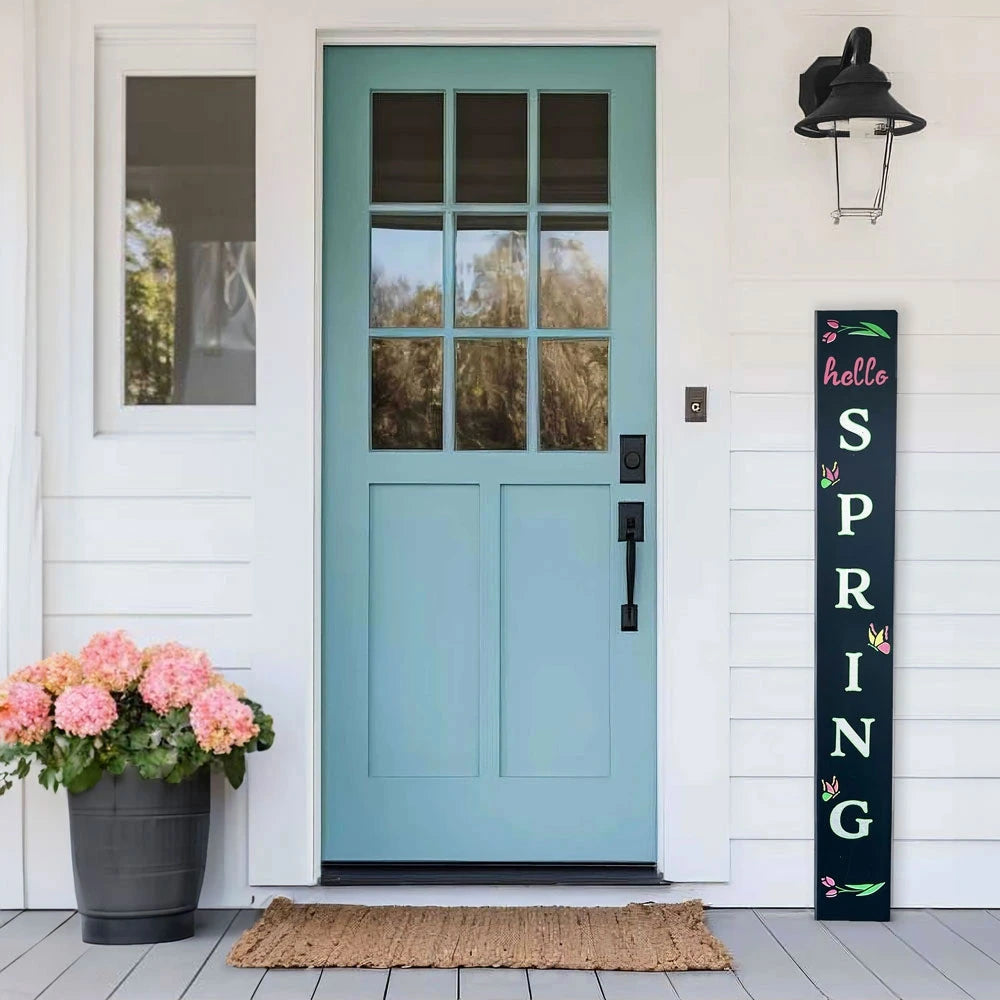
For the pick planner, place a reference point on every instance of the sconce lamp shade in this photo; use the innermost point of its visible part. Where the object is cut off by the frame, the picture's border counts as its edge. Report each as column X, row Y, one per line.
column 834, row 91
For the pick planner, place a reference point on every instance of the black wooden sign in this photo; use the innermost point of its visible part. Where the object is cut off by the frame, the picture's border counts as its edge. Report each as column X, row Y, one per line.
column 855, row 551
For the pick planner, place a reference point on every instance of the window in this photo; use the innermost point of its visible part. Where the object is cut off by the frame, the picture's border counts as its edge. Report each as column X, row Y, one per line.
column 175, row 239
column 190, row 326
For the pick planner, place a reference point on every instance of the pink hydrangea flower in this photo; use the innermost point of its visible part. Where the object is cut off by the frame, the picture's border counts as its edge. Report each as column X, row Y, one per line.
column 25, row 712
column 55, row 673
column 111, row 660
column 221, row 721
column 174, row 676
column 85, row 710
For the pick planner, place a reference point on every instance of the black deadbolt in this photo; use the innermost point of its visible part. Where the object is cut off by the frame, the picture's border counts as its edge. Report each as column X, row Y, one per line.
column 633, row 458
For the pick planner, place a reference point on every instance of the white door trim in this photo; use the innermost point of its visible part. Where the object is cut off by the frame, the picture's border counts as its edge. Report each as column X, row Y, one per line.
column 693, row 472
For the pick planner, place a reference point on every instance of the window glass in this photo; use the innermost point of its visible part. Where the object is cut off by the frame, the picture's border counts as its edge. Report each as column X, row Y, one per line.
column 573, row 396
column 491, row 378
column 190, row 265
column 407, row 147
column 573, row 149
column 491, row 148
column 407, row 379
column 573, row 279
column 491, row 271
column 406, row 271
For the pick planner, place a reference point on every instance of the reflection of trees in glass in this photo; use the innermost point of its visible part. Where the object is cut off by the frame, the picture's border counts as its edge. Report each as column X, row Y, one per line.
column 150, row 302
column 396, row 303
column 573, row 404
column 496, row 291
column 406, row 392
column 574, row 290
column 490, row 393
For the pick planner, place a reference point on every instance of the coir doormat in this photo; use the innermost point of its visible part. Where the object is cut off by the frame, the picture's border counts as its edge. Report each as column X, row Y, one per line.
column 640, row 937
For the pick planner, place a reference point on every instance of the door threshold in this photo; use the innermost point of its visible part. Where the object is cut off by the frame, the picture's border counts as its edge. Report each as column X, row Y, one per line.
column 486, row 873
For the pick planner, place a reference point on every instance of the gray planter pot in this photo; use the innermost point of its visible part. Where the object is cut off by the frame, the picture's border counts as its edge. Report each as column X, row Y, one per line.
column 139, row 851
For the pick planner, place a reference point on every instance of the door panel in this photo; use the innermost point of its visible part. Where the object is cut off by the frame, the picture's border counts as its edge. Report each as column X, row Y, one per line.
column 483, row 350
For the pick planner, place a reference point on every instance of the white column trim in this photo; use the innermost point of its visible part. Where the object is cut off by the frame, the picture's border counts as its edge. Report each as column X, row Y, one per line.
column 20, row 498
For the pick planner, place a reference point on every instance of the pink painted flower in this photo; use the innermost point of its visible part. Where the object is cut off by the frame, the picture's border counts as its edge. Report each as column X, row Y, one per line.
column 831, row 893
column 25, row 712
column 85, row 710
column 829, row 476
column 828, row 881
column 221, row 721
column 174, row 676
column 829, row 337
column 831, row 789
column 833, row 324
column 111, row 660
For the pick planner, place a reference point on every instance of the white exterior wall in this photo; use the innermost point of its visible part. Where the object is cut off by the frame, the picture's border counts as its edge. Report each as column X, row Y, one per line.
column 209, row 538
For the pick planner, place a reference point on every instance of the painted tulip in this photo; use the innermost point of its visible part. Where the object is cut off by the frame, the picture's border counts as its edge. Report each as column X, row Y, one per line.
column 831, row 789
column 829, row 337
column 826, row 880
column 829, row 476
column 879, row 640
column 833, row 324
column 831, row 892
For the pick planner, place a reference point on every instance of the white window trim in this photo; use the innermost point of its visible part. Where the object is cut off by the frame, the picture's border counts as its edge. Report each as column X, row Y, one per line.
column 120, row 54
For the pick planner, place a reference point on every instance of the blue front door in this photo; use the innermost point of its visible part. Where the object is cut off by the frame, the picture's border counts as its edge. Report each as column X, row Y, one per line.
column 488, row 324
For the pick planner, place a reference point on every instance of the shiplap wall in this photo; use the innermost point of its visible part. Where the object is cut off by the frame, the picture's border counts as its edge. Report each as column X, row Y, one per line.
column 934, row 258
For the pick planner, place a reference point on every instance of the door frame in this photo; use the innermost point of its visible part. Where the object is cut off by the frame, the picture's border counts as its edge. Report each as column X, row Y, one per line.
column 692, row 560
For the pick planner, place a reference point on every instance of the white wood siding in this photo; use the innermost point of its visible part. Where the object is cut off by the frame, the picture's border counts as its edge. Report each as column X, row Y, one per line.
column 932, row 258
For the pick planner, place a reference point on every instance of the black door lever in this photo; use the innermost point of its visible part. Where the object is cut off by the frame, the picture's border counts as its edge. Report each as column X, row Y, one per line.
column 631, row 529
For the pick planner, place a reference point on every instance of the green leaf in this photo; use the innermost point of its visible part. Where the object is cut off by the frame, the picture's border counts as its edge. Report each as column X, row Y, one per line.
column 86, row 778
column 234, row 766
column 873, row 888
column 865, row 333
column 876, row 329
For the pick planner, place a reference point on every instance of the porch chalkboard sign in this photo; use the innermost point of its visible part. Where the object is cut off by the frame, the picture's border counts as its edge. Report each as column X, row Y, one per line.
column 855, row 551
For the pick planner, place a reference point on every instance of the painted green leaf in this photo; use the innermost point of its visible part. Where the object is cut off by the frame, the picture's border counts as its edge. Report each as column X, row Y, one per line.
column 866, row 333
column 827, row 796
column 876, row 329
column 824, row 482
column 873, row 888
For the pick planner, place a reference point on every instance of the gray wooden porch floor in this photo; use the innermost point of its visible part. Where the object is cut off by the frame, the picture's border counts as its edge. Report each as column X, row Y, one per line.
column 780, row 955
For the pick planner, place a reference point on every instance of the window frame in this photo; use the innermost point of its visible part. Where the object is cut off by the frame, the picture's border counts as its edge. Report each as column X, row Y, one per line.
column 117, row 59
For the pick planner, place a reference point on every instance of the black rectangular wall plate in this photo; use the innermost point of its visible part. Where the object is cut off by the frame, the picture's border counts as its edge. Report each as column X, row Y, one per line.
column 696, row 404
column 630, row 509
column 632, row 458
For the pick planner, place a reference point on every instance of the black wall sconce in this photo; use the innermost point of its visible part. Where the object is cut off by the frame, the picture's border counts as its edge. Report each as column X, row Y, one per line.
column 838, row 94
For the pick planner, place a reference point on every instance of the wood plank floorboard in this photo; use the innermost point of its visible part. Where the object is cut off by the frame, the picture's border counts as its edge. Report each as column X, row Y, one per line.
column 288, row 984
column 965, row 965
column 422, row 984
column 779, row 955
column 218, row 981
column 352, row 984
column 636, row 986
column 821, row 956
column 97, row 972
column 908, row 975
column 976, row 926
column 495, row 984
column 707, row 986
column 763, row 967
column 43, row 963
column 563, row 984
column 167, row 969
column 25, row 931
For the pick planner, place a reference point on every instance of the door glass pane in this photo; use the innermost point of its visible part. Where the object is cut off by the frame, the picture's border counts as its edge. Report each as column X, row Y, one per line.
column 491, row 378
column 407, row 377
column 573, row 149
column 491, row 148
column 573, row 399
column 406, row 271
column 491, row 278
column 190, row 269
column 573, row 284
column 407, row 147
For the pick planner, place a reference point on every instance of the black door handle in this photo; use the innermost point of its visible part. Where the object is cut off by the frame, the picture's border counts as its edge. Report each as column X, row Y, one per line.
column 631, row 529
